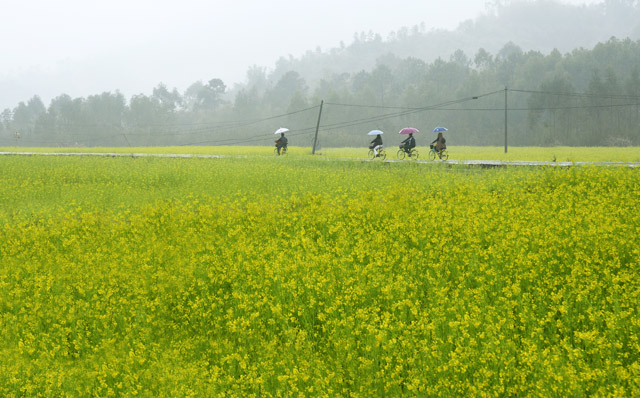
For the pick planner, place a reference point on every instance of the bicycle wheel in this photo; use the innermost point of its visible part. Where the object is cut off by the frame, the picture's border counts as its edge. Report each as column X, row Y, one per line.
column 401, row 154
column 383, row 154
column 414, row 154
column 444, row 155
column 284, row 151
column 371, row 154
column 432, row 155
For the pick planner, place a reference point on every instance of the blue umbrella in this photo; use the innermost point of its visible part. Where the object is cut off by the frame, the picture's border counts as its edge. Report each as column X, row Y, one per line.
column 439, row 129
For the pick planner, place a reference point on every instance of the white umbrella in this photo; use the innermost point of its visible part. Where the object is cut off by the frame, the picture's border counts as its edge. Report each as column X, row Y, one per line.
column 375, row 132
column 281, row 130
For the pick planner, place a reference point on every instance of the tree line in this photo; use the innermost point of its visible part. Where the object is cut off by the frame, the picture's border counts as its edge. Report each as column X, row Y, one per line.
column 583, row 97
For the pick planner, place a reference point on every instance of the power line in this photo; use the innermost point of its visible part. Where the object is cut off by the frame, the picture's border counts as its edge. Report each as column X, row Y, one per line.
column 414, row 108
column 227, row 126
column 220, row 127
column 540, row 108
column 304, row 131
column 579, row 95
column 204, row 126
column 409, row 111
column 243, row 140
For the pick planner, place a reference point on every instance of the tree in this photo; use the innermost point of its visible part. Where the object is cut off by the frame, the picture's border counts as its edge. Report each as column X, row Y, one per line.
column 246, row 102
column 190, row 96
column 5, row 118
column 106, row 110
column 66, row 117
column 410, row 71
column 632, row 85
column 336, row 83
column 257, row 79
column 298, row 120
column 36, row 106
column 142, row 118
column 460, row 58
column 143, row 111
column 550, row 111
column 507, row 60
column 24, row 116
column 210, row 95
column 360, row 80
column 483, row 60
column 381, row 80
column 168, row 100
column 63, row 110
column 280, row 95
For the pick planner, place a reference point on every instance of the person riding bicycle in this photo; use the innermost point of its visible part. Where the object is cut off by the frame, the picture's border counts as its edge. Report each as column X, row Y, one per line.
column 408, row 144
column 376, row 145
column 440, row 143
column 281, row 143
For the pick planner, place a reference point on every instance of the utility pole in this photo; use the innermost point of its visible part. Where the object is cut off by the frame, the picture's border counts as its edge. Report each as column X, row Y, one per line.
column 505, row 119
column 315, row 138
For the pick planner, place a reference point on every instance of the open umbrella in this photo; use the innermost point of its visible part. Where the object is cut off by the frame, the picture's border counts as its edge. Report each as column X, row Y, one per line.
column 281, row 130
column 375, row 132
column 439, row 129
column 408, row 130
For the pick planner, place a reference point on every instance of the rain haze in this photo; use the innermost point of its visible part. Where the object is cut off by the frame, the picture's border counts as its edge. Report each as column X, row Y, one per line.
column 82, row 48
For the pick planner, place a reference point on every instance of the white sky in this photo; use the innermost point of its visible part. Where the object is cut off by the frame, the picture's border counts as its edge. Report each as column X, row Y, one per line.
column 84, row 47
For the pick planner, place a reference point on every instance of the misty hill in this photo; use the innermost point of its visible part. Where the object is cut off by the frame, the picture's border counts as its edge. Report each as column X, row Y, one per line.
column 541, row 25
column 587, row 95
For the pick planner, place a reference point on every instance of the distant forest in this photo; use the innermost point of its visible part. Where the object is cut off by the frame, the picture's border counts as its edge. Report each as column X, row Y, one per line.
column 580, row 97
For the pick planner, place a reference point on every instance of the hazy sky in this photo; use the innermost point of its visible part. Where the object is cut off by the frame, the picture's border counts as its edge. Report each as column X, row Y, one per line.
column 82, row 47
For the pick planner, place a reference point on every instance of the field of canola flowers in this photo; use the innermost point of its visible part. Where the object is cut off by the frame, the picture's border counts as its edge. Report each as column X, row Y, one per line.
column 292, row 276
column 457, row 153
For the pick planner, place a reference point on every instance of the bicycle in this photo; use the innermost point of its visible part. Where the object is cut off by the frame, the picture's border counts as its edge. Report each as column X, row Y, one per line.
column 381, row 154
column 442, row 154
column 283, row 151
column 411, row 154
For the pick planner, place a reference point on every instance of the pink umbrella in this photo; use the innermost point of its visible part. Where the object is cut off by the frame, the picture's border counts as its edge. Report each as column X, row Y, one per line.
column 408, row 130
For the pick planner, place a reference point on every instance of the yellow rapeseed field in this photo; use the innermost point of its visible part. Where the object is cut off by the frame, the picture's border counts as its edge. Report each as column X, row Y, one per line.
column 456, row 153
column 295, row 276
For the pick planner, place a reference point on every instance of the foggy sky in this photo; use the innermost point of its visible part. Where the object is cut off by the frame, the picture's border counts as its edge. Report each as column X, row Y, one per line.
column 81, row 48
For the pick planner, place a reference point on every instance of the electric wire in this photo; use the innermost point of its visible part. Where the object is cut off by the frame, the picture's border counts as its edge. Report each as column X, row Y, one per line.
column 225, row 127
column 580, row 95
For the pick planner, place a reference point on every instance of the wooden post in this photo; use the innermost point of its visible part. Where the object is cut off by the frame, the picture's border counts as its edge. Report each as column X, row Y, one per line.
column 315, row 138
column 505, row 119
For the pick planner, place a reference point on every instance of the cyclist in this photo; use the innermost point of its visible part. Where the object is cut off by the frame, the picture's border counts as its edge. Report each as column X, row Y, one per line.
column 408, row 144
column 281, row 143
column 440, row 143
column 376, row 145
